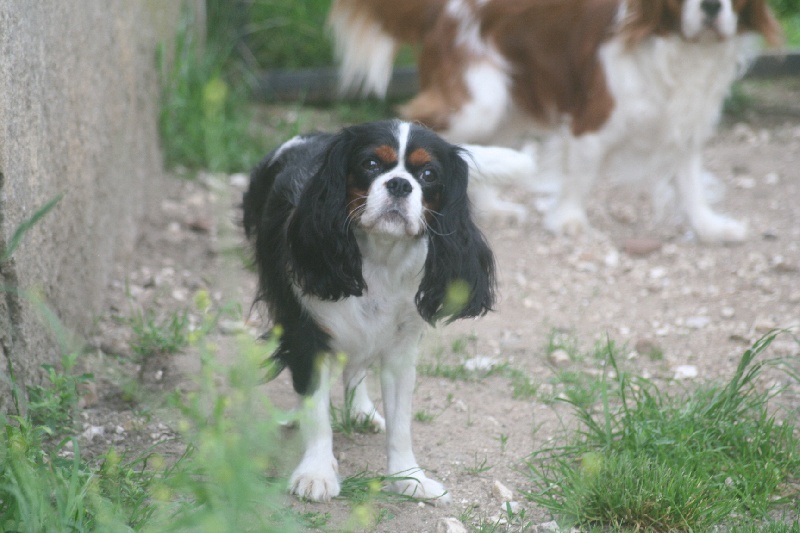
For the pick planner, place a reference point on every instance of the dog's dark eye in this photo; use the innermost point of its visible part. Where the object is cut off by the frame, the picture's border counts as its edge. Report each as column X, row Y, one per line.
column 371, row 165
column 428, row 175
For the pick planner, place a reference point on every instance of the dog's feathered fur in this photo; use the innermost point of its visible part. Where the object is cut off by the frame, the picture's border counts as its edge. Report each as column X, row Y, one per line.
column 360, row 238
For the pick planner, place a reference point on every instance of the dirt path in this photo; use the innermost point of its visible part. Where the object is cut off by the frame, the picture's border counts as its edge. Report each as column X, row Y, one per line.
column 683, row 308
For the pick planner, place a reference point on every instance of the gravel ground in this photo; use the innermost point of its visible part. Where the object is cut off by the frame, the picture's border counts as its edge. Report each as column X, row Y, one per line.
column 651, row 288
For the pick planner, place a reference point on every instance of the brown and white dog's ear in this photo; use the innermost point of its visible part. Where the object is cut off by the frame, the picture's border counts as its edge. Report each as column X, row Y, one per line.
column 644, row 18
column 756, row 16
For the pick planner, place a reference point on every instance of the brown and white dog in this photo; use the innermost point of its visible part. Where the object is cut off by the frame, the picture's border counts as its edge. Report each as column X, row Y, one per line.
column 628, row 88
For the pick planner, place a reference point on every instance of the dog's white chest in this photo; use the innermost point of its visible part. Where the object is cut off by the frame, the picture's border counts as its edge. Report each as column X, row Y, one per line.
column 668, row 90
column 385, row 315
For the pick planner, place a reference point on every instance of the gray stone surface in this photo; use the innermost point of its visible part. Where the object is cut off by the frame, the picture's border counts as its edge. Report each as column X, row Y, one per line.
column 78, row 117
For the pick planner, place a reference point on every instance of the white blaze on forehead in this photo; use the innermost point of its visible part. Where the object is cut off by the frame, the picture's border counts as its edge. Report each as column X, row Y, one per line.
column 386, row 213
column 403, row 133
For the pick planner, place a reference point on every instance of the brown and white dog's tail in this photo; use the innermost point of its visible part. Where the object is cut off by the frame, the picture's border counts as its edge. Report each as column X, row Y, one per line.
column 498, row 165
column 368, row 33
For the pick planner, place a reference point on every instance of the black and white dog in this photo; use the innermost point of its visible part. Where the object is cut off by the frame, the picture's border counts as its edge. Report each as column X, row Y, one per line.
column 360, row 238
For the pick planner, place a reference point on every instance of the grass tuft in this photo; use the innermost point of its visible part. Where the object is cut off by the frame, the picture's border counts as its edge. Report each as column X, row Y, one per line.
column 204, row 120
column 655, row 462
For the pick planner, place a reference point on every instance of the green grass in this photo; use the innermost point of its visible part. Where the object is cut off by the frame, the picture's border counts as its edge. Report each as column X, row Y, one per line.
column 219, row 483
column 343, row 421
column 281, row 34
column 788, row 12
column 204, row 120
column 159, row 335
column 651, row 461
column 478, row 467
column 25, row 226
column 52, row 407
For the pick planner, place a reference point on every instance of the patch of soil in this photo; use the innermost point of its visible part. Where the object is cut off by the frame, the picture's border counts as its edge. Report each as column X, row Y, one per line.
column 680, row 311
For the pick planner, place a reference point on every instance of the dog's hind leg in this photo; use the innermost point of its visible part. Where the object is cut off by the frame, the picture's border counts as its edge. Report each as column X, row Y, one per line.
column 577, row 168
column 362, row 410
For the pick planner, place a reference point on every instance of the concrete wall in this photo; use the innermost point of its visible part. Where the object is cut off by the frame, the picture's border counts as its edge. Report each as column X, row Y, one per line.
column 78, row 117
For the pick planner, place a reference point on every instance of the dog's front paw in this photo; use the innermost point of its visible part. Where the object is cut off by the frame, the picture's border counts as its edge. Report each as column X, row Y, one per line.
column 719, row 228
column 566, row 220
column 489, row 206
column 315, row 480
column 421, row 487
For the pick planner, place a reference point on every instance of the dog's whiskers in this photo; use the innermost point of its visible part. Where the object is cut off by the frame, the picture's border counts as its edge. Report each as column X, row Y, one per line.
column 428, row 227
column 355, row 213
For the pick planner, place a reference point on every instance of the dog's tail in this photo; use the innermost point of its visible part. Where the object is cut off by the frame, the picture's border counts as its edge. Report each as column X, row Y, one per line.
column 367, row 35
column 497, row 165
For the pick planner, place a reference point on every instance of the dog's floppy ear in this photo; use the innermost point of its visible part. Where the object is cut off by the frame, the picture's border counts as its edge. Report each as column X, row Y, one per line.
column 325, row 258
column 756, row 16
column 459, row 279
column 649, row 17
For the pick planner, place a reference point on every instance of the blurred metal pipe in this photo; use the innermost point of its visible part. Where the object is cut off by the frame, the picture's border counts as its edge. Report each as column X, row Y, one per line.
column 320, row 85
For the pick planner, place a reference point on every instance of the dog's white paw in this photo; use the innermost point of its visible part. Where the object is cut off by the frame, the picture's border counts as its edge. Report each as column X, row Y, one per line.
column 421, row 487
column 315, row 480
column 371, row 418
column 719, row 228
column 489, row 206
column 566, row 220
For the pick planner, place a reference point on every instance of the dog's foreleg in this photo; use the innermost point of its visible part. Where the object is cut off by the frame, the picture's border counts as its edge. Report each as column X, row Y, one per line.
column 316, row 478
column 708, row 225
column 398, row 376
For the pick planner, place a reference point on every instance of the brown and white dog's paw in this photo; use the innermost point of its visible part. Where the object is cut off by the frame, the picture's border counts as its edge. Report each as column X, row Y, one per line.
column 566, row 220
column 713, row 227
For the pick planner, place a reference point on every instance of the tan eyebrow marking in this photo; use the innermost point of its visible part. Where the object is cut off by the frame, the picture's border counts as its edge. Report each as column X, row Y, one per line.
column 419, row 157
column 386, row 153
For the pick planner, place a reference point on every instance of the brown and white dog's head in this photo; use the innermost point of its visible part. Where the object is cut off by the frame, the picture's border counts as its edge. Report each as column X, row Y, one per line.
column 698, row 20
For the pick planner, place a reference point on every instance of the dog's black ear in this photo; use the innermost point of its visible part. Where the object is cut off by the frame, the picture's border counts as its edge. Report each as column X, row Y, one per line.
column 459, row 279
column 325, row 259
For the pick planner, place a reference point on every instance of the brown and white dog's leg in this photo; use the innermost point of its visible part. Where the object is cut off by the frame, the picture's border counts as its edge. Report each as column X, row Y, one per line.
column 578, row 167
column 709, row 226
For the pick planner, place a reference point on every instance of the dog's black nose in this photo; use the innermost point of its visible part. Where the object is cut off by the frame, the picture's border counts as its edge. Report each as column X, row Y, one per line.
column 399, row 187
column 711, row 7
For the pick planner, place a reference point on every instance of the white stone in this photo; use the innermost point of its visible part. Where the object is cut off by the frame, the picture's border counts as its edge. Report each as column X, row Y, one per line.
column 450, row 525
column 559, row 357
column 685, row 372
column 501, row 492
column 697, row 322
column 480, row 363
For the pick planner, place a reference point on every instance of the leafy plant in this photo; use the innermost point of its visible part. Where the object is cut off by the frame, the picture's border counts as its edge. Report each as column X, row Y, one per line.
column 53, row 406
column 159, row 336
column 478, row 467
